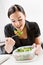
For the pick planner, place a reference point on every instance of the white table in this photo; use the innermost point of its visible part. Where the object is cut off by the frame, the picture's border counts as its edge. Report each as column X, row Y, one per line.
column 36, row 61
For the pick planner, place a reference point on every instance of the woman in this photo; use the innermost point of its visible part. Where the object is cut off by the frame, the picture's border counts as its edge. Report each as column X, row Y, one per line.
column 30, row 35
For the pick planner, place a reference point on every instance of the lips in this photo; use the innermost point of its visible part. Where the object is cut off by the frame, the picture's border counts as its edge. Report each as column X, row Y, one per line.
column 19, row 26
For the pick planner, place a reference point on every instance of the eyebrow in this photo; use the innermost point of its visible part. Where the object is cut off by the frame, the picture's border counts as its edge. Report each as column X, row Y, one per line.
column 12, row 19
column 18, row 17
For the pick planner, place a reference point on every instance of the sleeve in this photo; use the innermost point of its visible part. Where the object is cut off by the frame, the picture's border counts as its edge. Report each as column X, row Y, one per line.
column 7, row 31
column 36, row 30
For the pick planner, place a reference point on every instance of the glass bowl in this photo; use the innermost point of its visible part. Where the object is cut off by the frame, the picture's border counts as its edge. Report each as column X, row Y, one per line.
column 24, row 53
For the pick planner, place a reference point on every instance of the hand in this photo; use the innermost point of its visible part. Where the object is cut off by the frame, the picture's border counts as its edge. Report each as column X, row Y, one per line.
column 9, row 43
column 38, row 49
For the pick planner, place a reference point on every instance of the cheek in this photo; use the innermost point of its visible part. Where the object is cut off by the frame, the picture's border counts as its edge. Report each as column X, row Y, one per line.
column 13, row 24
column 23, row 23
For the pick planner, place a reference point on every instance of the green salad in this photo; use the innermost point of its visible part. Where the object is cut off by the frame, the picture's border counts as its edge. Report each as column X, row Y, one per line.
column 24, row 49
column 18, row 32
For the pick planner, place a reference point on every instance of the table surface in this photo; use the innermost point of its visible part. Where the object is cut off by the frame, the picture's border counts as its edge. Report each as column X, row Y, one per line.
column 38, row 60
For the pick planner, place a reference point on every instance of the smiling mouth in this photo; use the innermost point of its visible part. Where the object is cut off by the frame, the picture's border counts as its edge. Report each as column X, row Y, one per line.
column 19, row 26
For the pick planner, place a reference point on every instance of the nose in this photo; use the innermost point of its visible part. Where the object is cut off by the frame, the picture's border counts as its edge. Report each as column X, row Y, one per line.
column 18, row 23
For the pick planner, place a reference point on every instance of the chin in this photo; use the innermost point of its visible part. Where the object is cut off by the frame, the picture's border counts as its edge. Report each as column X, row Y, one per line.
column 20, row 29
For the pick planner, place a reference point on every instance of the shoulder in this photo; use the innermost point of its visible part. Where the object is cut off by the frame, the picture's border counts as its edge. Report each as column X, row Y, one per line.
column 32, row 24
column 34, row 28
column 8, row 25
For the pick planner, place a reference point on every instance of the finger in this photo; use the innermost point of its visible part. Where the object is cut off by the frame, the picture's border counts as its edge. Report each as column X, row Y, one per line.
column 6, row 39
column 37, row 52
column 34, row 45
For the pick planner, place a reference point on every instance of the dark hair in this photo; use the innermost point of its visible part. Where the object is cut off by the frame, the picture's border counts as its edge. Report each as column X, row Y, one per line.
column 15, row 8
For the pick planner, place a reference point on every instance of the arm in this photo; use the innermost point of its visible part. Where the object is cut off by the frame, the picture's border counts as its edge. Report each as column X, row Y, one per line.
column 9, row 42
column 37, row 39
column 38, row 46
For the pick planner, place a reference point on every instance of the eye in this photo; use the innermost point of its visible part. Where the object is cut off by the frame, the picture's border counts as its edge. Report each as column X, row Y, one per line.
column 20, row 20
column 13, row 21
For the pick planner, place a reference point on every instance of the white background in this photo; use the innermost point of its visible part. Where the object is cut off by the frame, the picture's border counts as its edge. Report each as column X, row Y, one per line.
column 33, row 9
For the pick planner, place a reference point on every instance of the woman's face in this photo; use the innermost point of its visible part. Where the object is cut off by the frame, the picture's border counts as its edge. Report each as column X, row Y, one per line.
column 18, row 20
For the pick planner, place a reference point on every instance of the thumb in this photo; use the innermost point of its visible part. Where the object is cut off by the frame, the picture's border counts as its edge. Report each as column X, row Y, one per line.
column 34, row 45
